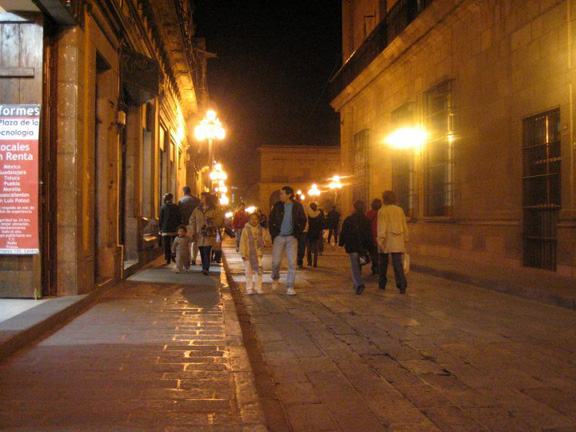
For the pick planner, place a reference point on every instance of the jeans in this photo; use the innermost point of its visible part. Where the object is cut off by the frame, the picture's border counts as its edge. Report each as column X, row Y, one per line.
column 168, row 239
column 238, row 235
column 205, row 255
column 301, row 248
column 313, row 248
column 398, row 270
column 333, row 231
column 356, row 269
column 289, row 245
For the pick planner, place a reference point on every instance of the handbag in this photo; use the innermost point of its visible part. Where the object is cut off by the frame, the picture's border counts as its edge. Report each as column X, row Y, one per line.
column 406, row 262
column 229, row 232
column 364, row 258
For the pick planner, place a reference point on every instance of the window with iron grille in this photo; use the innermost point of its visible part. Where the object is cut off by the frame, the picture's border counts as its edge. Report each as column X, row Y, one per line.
column 439, row 152
column 541, row 198
column 360, row 165
column 403, row 162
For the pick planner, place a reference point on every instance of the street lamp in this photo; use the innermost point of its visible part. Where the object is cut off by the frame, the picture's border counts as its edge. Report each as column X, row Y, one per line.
column 210, row 128
column 335, row 184
column 314, row 191
column 218, row 175
column 224, row 200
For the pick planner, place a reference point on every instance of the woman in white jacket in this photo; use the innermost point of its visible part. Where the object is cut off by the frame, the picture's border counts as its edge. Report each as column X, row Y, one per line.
column 392, row 238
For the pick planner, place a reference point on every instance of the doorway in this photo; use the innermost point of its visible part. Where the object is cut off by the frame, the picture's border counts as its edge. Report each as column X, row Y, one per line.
column 102, row 67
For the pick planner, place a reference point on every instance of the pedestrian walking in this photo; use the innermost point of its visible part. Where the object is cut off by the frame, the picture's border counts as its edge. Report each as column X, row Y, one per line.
column 333, row 224
column 372, row 216
column 238, row 223
column 356, row 238
column 251, row 247
column 187, row 204
column 170, row 220
column 286, row 223
column 314, row 234
column 205, row 223
column 301, row 238
column 263, row 220
column 181, row 250
column 392, row 238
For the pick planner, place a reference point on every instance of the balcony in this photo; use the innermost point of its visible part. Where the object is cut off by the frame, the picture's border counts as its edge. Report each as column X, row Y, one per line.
column 399, row 17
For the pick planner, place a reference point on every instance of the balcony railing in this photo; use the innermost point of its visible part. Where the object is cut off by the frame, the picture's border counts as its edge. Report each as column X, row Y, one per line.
column 399, row 17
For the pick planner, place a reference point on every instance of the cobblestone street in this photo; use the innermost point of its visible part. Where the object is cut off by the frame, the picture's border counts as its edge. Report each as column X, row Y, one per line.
column 151, row 354
column 445, row 356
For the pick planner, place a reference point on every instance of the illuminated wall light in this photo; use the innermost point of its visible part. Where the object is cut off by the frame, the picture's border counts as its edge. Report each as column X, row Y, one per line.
column 407, row 138
column 250, row 209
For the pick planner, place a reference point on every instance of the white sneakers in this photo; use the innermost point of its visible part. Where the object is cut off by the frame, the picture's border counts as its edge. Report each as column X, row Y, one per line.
column 275, row 287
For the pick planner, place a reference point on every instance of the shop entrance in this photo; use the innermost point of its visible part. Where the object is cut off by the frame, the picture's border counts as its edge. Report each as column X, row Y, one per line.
column 21, row 82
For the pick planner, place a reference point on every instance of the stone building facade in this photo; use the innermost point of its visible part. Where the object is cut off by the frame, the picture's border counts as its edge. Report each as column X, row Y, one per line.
column 492, row 83
column 296, row 166
column 121, row 86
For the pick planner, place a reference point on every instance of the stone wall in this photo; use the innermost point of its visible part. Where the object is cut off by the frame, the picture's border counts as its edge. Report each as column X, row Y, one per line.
column 506, row 61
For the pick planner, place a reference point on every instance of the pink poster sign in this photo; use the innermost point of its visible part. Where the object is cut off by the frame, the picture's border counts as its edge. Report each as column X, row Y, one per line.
column 19, row 134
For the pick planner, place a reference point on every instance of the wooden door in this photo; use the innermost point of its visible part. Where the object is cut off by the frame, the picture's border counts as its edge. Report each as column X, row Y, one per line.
column 21, row 79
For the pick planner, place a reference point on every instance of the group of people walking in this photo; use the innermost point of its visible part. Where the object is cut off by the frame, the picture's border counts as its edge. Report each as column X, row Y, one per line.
column 194, row 226
column 191, row 227
column 374, row 236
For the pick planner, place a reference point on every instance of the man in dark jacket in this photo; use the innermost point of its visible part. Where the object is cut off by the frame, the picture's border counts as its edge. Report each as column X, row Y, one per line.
column 187, row 205
column 170, row 220
column 356, row 238
column 286, row 223
column 333, row 224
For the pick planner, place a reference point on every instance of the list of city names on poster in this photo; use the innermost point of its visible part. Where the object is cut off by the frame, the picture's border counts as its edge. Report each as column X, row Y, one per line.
column 19, row 130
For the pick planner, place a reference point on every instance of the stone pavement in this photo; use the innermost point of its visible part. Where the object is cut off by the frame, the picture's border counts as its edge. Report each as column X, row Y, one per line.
column 445, row 356
column 159, row 352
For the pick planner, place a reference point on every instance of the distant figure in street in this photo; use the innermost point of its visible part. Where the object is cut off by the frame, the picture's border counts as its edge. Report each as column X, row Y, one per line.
column 205, row 223
column 392, row 238
column 314, row 234
column 287, row 222
column 170, row 220
column 356, row 238
column 251, row 247
column 187, row 205
column 372, row 216
column 181, row 250
column 240, row 219
column 333, row 224
column 301, row 238
column 263, row 219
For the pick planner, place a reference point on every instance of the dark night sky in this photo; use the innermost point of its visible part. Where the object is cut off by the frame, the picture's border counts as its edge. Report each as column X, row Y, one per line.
column 269, row 82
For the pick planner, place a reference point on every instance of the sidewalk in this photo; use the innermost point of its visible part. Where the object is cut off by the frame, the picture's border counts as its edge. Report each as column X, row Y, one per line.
column 533, row 284
column 159, row 352
column 444, row 357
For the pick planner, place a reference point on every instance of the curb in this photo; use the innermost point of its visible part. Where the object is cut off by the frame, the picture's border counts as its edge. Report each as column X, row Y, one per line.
column 31, row 325
column 247, row 397
column 500, row 286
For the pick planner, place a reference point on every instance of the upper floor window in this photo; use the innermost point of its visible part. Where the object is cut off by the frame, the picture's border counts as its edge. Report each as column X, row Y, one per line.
column 439, row 151
column 361, row 166
column 403, row 162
